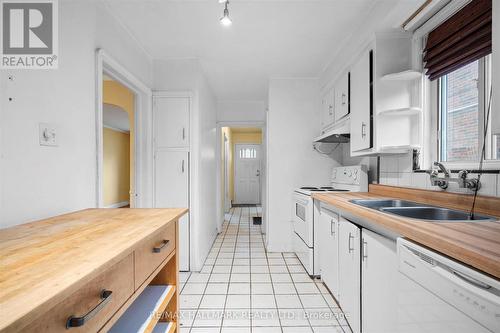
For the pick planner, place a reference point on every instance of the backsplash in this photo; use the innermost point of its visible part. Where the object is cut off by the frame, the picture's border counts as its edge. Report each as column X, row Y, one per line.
column 397, row 171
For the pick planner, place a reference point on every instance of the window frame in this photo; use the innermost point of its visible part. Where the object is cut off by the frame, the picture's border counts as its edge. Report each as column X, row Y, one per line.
column 484, row 84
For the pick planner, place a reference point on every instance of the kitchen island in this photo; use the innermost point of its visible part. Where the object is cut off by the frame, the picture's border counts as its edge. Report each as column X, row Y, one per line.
column 83, row 270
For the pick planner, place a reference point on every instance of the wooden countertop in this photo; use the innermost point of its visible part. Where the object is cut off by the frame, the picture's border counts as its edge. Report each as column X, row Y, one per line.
column 475, row 244
column 43, row 262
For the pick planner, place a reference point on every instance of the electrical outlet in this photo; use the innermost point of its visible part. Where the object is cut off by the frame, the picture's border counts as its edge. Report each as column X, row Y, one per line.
column 47, row 134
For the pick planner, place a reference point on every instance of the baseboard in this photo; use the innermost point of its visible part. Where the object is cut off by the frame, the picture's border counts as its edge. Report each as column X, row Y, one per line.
column 118, row 204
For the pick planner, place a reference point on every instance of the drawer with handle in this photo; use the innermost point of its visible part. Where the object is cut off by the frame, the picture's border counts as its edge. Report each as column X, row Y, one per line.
column 153, row 252
column 92, row 305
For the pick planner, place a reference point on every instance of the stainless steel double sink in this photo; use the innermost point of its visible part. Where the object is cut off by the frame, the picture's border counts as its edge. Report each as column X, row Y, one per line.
column 421, row 212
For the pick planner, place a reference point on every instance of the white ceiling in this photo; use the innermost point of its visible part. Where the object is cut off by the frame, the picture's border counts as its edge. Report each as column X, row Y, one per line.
column 267, row 39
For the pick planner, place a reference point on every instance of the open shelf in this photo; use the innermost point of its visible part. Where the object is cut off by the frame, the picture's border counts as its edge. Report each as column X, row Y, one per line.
column 401, row 112
column 402, row 76
column 165, row 328
column 144, row 313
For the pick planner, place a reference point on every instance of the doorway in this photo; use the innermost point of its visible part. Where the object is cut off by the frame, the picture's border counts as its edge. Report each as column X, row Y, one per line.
column 118, row 144
column 133, row 97
column 241, row 168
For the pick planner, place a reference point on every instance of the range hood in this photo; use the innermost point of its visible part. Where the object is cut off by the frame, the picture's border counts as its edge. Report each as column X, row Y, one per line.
column 339, row 134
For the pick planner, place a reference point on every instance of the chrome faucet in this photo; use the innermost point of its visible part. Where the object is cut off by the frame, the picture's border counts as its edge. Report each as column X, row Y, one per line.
column 443, row 182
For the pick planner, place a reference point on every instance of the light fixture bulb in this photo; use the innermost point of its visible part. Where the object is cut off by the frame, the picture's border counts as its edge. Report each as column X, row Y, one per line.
column 225, row 20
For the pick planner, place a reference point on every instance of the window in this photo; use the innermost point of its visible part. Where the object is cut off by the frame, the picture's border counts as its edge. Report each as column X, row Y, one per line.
column 464, row 95
column 248, row 153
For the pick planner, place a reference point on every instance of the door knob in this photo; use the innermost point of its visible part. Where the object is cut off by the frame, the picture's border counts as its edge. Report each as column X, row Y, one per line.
column 258, row 173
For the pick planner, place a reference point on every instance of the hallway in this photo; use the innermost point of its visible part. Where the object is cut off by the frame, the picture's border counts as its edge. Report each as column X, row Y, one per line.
column 242, row 288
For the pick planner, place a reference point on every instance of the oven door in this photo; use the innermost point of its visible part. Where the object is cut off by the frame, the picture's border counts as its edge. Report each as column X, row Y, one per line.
column 303, row 218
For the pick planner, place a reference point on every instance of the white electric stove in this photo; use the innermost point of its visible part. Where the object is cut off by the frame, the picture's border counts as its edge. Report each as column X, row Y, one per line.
column 344, row 179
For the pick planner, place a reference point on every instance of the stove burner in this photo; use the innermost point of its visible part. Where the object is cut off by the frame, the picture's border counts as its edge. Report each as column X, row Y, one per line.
column 308, row 188
column 327, row 188
column 318, row 190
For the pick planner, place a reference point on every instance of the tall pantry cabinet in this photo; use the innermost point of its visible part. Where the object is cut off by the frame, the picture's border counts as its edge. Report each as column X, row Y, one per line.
column 171, row 122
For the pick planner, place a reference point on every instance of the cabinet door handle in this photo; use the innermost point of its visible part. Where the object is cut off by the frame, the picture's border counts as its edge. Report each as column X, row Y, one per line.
column 74, row 321
column 182, row 166
column 330, row 110
column 349, row 243
column 158, row 249
column 363, row 130
column 365, row 253
column 332, row 229
column 343, row 99
column 183, row 133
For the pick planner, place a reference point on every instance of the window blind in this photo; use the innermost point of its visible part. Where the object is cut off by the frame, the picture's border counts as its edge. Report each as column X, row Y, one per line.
column 462, row 39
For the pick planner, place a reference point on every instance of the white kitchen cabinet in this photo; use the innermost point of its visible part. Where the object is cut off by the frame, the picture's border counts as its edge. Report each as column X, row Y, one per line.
column 328, row 249
column 171, row 116
column 342, row 100
column 171, row 188
column 361, row 102
column 350, row 273
column 328, row 108
column 171, row 119
column 386, row 98
column 379, row 272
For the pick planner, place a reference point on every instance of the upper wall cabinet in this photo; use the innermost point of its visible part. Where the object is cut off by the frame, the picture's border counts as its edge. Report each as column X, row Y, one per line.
column 342, row 96
column 328, row 109
column 361, row 103
column 171, row 122
column 335, row 103
column 386, row 98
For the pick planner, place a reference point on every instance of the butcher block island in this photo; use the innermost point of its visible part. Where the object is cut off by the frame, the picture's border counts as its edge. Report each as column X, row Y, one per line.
column 94, row 270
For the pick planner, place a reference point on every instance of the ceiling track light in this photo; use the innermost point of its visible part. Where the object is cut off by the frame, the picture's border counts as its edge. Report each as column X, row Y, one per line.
column 225, row 20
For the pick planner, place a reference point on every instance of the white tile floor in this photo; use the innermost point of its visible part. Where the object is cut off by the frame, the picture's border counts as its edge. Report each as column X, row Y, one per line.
column 243, row 288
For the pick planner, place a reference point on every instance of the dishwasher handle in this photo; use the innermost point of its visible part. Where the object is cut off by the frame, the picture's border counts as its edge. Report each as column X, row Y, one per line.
column 471, row 280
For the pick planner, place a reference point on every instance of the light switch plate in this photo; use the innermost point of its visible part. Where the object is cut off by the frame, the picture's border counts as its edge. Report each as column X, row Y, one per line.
column 47, row 134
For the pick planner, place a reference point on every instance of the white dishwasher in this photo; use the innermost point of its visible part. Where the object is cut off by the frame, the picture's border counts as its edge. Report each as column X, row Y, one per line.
column 437, row 294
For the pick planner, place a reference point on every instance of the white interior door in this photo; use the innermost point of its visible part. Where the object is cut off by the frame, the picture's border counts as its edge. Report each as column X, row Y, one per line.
column 247, row 174
column 172, row 191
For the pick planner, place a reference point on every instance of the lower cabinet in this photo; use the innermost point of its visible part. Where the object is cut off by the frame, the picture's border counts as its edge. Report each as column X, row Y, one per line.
column 379, row 276
column 329, row 250
column 350, row 273
column 172, row 190
column 360, row 268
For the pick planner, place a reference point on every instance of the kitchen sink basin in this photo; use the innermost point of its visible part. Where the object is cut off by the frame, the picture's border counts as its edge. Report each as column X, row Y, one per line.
column 436, row 214
column 422, row 212
column 376, row 204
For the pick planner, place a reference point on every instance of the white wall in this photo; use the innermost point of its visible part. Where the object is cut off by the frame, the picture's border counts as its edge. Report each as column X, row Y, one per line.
column 293, row 121
column 206, row 211
column 38, row 182
column 186, row 75
column 241, row 111
column 176, row 74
